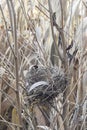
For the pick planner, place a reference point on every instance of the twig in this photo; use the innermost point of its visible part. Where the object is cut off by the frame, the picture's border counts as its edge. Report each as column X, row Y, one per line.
column 61, row 125
column 9, row 123
column 31, row 27
column 7, row 69
column 42, row 11
column 8, row 84
column 43, row 6
column 69, row 96
column 4, row 58
column 23, row 9
column 63, row 45
column 9, row 98
column 51, row 20
column 6, row 30
column 44, row 114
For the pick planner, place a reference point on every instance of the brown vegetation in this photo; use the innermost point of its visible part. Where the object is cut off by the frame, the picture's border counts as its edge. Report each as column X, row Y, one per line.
column 45, row 34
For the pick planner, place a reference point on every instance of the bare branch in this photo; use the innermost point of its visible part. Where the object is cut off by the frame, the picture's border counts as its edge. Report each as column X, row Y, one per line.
column 51, row 20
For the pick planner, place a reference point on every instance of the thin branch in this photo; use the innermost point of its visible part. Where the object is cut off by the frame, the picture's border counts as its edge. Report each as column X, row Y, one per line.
column 7, row 69
column 43, row 6
column 6, row 30
column 8, row 84
column 3, row 57
column 31, row 27
column 51, row 20
column 23, row 9
column 60, row 30
column 9, row 123
column 74, row 87
column 41, row 11
column 9, row 98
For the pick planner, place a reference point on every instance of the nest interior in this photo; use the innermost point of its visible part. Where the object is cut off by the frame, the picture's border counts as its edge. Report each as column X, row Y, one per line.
column 45, row 83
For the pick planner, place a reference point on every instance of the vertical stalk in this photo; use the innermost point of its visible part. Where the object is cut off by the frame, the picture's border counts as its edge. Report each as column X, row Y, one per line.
column 64, row 59
column 14, row 34
column 53, row 36
column 61, row 5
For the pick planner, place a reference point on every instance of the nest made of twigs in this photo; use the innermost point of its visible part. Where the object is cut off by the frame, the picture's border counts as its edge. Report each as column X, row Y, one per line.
column 45, row 83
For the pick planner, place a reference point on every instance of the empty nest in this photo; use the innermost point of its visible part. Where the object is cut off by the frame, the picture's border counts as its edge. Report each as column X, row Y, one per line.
column 45, row 83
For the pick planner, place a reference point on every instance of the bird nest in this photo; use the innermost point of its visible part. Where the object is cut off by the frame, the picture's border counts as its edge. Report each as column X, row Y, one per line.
column 45, row 83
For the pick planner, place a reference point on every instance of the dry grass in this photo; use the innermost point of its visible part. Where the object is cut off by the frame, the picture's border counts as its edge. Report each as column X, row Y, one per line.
column 29, row 33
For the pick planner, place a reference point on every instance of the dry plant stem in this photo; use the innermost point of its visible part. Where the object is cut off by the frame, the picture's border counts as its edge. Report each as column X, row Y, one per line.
column 9, row 123
column 31, row 27
column 64, row 59
column 9, row 98
column 63, row 45
column 61, row 13
column 70, row 94
column 73, row 89
column 0, row 95
column 63, row 39
column 44, row 114
column 84, row 4
column 41, row 11
column 8, row 84
column 6, row 30
column 43, row 6
column 51, row 20
column 77, row 111
column 13, row 20
column 7, row 68
column 65, row 108
column 61, row 125
column 4, row 58
column 23, row 9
